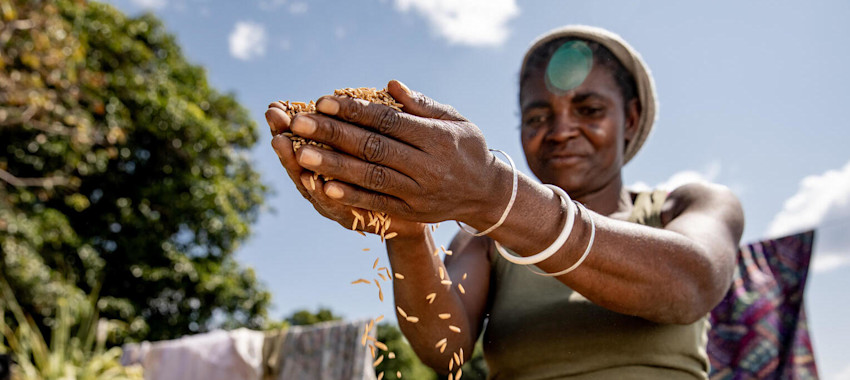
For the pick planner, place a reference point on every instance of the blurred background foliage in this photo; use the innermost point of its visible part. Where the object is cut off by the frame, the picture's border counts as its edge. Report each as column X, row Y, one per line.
column 123, row 170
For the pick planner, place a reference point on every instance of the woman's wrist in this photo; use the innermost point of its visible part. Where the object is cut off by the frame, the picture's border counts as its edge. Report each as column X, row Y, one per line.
column 496, row 187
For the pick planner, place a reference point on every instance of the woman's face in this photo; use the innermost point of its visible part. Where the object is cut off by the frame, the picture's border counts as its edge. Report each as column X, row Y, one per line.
column 575, row 140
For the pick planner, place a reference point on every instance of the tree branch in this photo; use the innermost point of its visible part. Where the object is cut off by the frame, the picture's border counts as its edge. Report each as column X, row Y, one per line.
column 47, row 182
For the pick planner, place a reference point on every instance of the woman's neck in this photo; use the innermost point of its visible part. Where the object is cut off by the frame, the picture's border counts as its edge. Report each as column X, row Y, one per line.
column 610, row 199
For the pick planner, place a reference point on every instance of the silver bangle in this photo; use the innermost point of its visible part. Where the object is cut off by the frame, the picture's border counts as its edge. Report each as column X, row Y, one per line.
column 559, row 242
column 510, row 202
column 583, row 255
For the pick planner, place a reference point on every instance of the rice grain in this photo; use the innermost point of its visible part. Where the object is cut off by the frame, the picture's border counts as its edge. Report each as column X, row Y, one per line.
column 444, row 316
column 454, row 328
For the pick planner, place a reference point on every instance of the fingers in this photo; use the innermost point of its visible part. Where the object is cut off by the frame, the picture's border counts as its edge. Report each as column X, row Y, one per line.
column 283, row 148
column 358, row 142
column 277, row 118
column 347, row 194
column 352, row 170
column 378, row 117
column 416, row 103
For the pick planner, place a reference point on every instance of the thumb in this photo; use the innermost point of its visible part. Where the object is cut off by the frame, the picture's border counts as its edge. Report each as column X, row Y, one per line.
column 415, row 103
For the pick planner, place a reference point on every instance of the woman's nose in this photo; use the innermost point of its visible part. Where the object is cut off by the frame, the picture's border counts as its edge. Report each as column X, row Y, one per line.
column 564, row 127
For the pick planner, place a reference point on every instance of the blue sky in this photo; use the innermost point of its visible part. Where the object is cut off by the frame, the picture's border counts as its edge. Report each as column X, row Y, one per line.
column 752, row 95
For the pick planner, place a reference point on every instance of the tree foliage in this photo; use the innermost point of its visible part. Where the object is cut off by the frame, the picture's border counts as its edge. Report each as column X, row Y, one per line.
column 123, row 170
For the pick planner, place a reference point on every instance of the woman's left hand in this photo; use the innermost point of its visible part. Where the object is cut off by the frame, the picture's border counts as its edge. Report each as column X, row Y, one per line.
column 426, row 164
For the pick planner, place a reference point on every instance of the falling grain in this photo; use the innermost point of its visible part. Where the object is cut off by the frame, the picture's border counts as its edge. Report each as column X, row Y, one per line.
column 375, row 265
column 459, row 373
column 381, row 375
column 381, row 275
column 454, row 328
column 460, row 287
column 398, row 374
column 365, row 249
column 450, row 377
column 446, row 282
column 401, row 312
column 391, row 355
column 444, row 316
column 372, row 350
column 461, row 355
column 380, row 359
column 442, row 273
column 381, row 346
column 443, row 348
column 441, row 342
column 361, row 234
column 431, row 297
column 451, row 365
column 380, row 318
column 399, row 276
column 390, row 235
column 464, row 276
column 457, row 358
column 413, row 319
column 361, row 281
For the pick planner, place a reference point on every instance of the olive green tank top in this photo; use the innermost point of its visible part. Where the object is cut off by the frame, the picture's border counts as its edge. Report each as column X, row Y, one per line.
column 539, row 328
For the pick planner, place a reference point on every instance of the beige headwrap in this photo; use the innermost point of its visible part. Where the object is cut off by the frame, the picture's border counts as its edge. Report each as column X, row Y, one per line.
column 630, row 59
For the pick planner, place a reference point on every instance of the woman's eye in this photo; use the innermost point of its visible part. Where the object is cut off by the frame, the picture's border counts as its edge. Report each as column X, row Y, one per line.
column 590, row 111
column 535, row 120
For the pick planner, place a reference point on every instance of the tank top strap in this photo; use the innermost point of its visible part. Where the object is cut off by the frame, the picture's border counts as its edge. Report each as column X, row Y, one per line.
column 647, row 208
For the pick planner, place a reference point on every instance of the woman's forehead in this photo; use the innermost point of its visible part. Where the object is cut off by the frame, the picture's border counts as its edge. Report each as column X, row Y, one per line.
column 599, row 82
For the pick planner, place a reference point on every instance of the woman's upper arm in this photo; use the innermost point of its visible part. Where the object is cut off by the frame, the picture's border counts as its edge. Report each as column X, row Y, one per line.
column 712, row 218
column 469, row 267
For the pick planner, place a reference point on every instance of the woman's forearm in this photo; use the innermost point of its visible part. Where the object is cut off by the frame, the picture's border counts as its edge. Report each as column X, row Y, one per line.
column 653, row 273
column 429, row 306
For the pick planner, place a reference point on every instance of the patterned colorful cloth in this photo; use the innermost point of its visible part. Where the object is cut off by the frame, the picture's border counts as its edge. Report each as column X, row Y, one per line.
column 759, row 330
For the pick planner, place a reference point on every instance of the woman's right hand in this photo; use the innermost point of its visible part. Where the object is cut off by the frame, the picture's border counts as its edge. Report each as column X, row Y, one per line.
column 313, row 189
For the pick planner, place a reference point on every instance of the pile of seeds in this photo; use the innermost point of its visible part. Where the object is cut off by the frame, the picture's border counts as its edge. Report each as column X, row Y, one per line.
column 379, row 220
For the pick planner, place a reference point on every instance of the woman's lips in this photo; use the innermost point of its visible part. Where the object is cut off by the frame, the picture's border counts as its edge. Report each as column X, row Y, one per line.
column 565, row 159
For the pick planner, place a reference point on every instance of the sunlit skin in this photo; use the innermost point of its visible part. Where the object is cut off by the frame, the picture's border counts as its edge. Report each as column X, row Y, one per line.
column 430, row 164
column 576, row 140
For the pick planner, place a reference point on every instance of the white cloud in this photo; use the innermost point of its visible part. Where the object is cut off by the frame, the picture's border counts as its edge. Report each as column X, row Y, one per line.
column 248, row 40
column 466, row 22
column 821, row 200
column 709, row 174
column 150, row 4
column 298, row 8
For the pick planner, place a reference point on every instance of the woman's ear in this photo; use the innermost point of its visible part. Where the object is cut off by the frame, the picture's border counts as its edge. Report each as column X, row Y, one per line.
column 632, row 120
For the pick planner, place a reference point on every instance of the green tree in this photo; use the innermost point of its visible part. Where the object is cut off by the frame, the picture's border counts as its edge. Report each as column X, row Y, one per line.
column 307, row 317
column 122, row 169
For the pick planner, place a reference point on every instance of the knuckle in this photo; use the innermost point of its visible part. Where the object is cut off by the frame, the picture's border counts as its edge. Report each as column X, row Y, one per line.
column 352, row 110
column 376, row 177
column 379, row 202
column 374, row 149
column 387, row 120
column 332, row 131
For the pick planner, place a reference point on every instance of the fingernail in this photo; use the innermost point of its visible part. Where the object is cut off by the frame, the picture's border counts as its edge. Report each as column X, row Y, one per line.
column 327, row 106
column 277, row 142
column 303, row 126
column 404, row 88
column 310, row 157
column 277, row 119
column 333, row 191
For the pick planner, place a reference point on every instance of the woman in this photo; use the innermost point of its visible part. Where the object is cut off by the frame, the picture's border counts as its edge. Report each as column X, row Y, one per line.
column 644, row 270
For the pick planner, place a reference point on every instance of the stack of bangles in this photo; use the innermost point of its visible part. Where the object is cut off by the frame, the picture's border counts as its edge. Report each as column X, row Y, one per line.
column 559, row 242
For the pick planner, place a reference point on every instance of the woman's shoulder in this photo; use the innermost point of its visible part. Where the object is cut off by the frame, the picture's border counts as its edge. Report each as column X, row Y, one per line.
column 701, row 197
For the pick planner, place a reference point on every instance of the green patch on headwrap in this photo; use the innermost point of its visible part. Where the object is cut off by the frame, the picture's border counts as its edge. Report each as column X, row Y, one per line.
column 568, row 67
